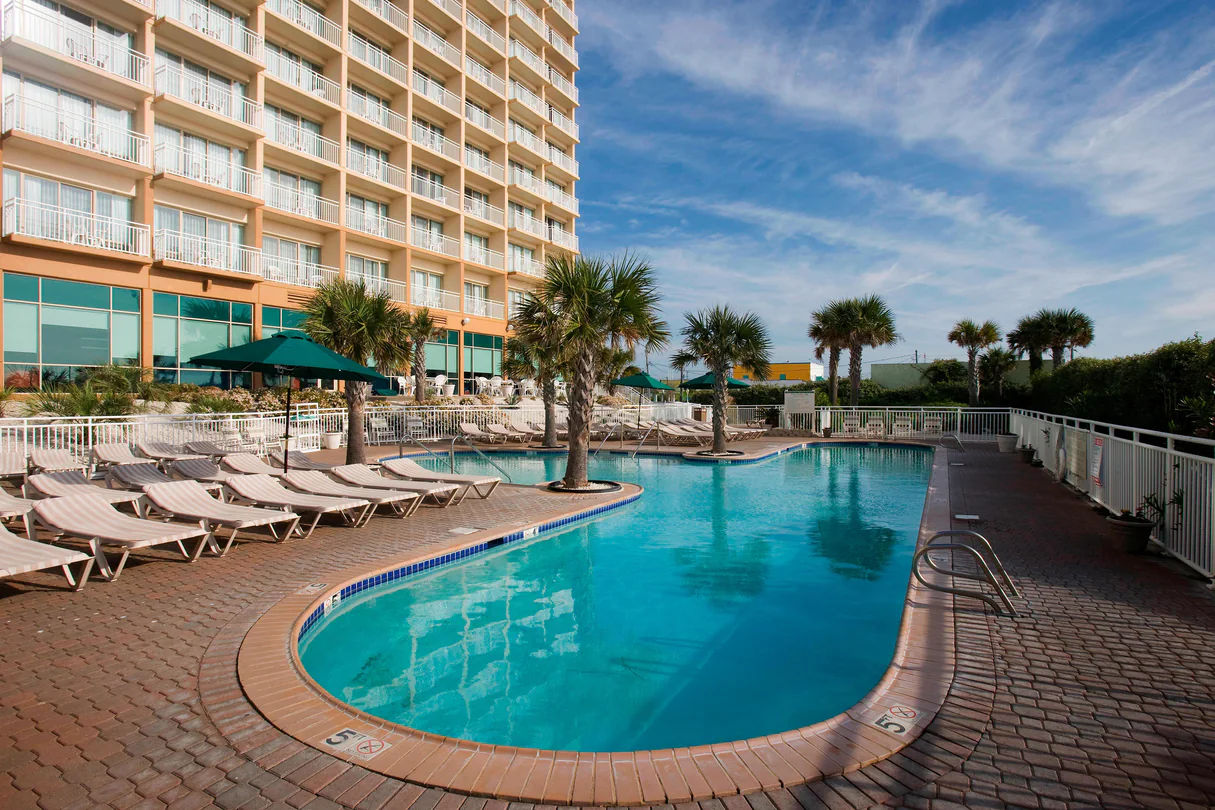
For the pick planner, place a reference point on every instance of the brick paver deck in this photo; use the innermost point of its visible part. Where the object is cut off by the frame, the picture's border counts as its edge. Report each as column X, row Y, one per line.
column 1101, row 695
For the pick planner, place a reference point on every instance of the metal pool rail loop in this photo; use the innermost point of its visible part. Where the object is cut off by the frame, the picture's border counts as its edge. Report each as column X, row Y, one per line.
column 648, row 431
column 1002, row 608
column 986, row 546
column 415, row 440
column 460, row 437
column 611, row 432
column 955, row 437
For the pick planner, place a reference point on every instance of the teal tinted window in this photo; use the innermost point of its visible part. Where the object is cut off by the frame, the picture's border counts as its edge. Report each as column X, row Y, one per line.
column 164, row 304
column 453, row 337
column 20, row 288
column 124, row 339
column 75, row 294
column 164, row 342
column 271, row 316
column 124, row 300
column 293, row 319
column 205, row 309
column 75, row 337
column 242, row 313
column 20, row 332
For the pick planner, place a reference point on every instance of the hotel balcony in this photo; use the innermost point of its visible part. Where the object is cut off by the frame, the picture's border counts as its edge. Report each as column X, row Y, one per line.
column 221, row 176
column 562, row 161
column 307, row 18
column 303, row 78
column 83, row 55
column 565, row 13
column 382, row 227
column 485, row 76
column 433, row 42
column 434, row 242
column 379, row 170
column 429, row 139
column 435, row 299
column 525, row 266
column 179, row 248
column 29, row 220
column 563, row 239
column 361, row 50
column 376, row 284
column 452, row 7
column 485, row 121
column 436, row 93
column 195, row 92
column 562, row 122
column 563, row 85
column 380, row 116
column 530, row 18
column 295, row 138
column 297, row 272
column 485, row 257
column 519, row 221
column 529, row 142
column 214, row 26
column 533, row 102
column 84, row 132
column 484, row 307
column 528, row 183
column 481, row 29
column 484, row 211
column 485, row 166
column 301, row 204
column 529, row 58
column 562, row 46
column 435, row 192
column 388, row 12
column 558, row 197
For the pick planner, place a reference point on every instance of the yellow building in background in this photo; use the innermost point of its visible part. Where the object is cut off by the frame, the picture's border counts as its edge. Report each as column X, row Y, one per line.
column 784, row 372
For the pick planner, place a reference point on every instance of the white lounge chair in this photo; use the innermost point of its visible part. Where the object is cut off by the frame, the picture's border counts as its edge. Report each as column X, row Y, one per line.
column 361, row 475
column 247, row 464
column 89, row 518
column 262, row 490
column 299, row 461
column 474, row 433
column 200, row 469
column 192, row 501
column 14, row 507
column 483, row 485
column 163, row 453
column 875, row 426
column 852, row 424
column 211, row 449
column 507, row 434
column 138, row 477
column 55, row 461
column 13, row 467
column 933, row 426
column 901, row 427
column 66, row 484
column 110, row 455
column 21, row 556
column 315, row 482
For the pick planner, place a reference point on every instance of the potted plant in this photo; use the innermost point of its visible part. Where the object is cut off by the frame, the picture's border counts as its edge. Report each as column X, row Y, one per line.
column 1006, row 442
column 332, row 441
column 1131, row 532
column 1026, row 452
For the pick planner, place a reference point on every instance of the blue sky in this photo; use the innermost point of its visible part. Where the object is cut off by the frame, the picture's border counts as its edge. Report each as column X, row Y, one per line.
column 963, row 159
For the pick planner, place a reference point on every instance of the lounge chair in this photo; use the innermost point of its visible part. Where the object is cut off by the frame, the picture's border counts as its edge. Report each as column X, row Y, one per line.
column 262, row 490
column 13, row 507
column 247, row 464
column 110, row 455
column 20, row 556
column 483, row 485
column 507, row 434
column 676, row 434
column 852, row 424
column 55, row 461
column 299, row 461
column 192, row 501
column 875, row 426
column 98, row 523
column 200, row 469
column 163, row 453
column 211, row 449
column 315, row 482
column 901, row 427
column 517, row 423
column 474, row 433
column 69, row 483
column 13, row 467
column 138, row 477
column 933, row 426
column 360, row 475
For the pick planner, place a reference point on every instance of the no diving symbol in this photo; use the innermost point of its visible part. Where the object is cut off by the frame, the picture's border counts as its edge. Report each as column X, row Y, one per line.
column 369, row 747
column 903, row 712
column 356, row 744
column 897, row 720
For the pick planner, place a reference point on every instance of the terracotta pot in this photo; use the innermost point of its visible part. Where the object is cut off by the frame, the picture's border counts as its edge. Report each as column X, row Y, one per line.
column 1006, row 442
column 1026, row 453
column 1128, row 533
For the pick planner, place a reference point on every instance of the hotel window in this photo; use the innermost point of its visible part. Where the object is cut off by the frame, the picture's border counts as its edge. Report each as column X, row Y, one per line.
column 477, row 247
column 556, row 148
column 520, row 257
column 426, row 289
column 62, row 212
column 475, row 155
column 514, row 301
column 291, row 262
column 291, row 192
column 276, row 320
column 83, row 37
column 428, row 134
column 367, row 215
column 482, row 358
column 362, row 266
column 370, row 52
column 197, row 158
column 555, row 186
column 54, row 330
column 523, row 132
column 444, row 357
column 204, row 87
column 289, row 129
column 475, row 298
column 425, row 78
column 293, row 68
column 427, row 233
column 184, row 327
column 427, row 183
column 60, row 115
column 523, row 211
column 528, row 171
column 198, row 239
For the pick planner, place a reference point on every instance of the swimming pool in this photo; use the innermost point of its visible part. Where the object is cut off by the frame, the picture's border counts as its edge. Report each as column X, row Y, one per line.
column 727, row 602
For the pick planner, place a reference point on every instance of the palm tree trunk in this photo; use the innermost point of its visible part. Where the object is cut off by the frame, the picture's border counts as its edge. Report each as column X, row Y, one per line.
column 719, row 411
column 419, row 372
column 582, row 406
column 1056, row 356
column 548, row 392
column 972, row 360
column 356, row 437
column 854, row 374
column 1035, row 360
column 833, row 375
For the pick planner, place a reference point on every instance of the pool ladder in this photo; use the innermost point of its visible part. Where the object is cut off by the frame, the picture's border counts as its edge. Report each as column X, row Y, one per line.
column 986, row 560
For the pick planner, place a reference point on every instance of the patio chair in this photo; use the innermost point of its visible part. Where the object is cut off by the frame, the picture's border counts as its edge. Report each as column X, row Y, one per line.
column 379, row 431
column 299, row 461
column 14, row 507
column 474, row 433
column 162, row 452
column 315, row 482
column 360, row 475
column 933, row 426
column 110, row 455
column 901, row 427
column 407, row 468
column 677, row 434
column 21, row 556
column 200, row 469
column 247, row 464
column 211, row 449
column 509, row 435
column 138, row 477
column 875, row 426
column 262, row 490
column 516, row 423
column 55, row 461
column 98, row 523
column 852, row 424
column 13, row 467
column 192, row 501
column 73, row 482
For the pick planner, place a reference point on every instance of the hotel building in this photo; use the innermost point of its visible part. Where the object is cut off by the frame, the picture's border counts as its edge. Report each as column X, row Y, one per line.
column 178, row 174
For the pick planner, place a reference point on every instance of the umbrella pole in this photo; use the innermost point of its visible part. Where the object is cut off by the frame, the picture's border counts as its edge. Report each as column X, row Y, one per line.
column 287, row 432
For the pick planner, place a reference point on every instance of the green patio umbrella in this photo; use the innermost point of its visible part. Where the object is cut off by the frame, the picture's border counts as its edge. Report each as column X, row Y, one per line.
column 640, row 381
column 290, row 355
column 705, row 383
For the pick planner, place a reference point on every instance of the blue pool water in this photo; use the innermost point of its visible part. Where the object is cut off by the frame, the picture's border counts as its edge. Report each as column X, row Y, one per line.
column 727, row 602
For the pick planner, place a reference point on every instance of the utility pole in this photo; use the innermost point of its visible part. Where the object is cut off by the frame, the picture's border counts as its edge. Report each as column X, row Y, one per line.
column 917, row 357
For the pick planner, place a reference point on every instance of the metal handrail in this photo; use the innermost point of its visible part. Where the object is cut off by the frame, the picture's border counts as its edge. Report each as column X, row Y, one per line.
column 462, row 438
column 611, row 432
column 645, row 436
column 1003, row 608
column 404, row 438
column 955, row 437
column 999, row 565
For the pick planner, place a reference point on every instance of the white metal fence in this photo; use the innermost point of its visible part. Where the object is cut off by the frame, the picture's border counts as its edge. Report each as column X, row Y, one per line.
column 970, row 424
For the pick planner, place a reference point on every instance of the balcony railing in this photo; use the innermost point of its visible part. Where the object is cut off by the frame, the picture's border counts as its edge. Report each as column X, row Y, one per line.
column 81, row 131
column 562, row 46
column 296, row 271
column 563, row 85
column 383, row 227
column 377, row 114
column 212, row 24
column 485, row 76
column 558, row 197
column 377, row 59
column 559, row 158
column 452, row 7
column 484, row 307
column 434, row 299
column 526, row 223
column 444, row 195
column 172, row 82
column 564, row 12
column 25, row 19
column 528, row 141
column 484, row 256
column 377, row 284
column 481, row 29
column 526, row 265
column 483, row 210
column 188, row 248
column 530, row 100
column 435, row 43
column 300, row 75
column 373, row 167
column 527, row 56
column 484, row 120
column 562, row 238
column 429, row 139
column 302, row 203
column 529, row 17
column 435, row 92
column 434, row 242
column 293, row 136
column 200, row 167
column 56, row 224
column 385, row 10
column 562, row 122
column 530, row 182
column 484, row 165
column 309, row 19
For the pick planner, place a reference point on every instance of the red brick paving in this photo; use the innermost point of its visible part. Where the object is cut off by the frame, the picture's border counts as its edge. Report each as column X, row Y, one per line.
column 1101, row 695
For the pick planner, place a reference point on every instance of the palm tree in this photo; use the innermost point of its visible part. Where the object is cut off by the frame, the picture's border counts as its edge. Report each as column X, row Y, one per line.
column 868, row 322
column 421, row 328
column 598, row 301
column 830, row 338
column 536, row 352
column 974, row 337
column 364, row 326
column 1030, row 338
column 995, row 365
column 1066, row 329
column 721, row 339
